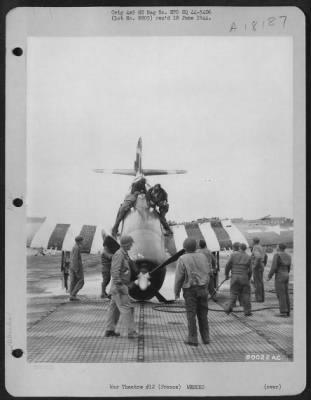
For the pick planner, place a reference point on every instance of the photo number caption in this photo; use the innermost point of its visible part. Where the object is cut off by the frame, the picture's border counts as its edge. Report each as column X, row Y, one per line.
column 167, row 14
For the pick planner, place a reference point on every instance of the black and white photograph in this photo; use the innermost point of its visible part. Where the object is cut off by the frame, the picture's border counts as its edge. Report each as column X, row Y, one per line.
column 155, row 201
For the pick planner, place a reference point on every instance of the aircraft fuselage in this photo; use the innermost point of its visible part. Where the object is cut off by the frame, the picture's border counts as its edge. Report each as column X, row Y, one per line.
column 148, row 249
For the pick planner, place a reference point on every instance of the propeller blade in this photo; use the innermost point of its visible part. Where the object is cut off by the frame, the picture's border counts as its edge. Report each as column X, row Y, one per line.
column 175, row 257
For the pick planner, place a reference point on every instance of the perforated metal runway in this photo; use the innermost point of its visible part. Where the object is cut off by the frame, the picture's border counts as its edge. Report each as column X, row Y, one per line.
column 74, row 332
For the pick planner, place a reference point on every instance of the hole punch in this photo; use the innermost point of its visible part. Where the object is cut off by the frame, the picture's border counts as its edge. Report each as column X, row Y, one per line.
column 17, row 202
column 17, row 353
column 17, row 51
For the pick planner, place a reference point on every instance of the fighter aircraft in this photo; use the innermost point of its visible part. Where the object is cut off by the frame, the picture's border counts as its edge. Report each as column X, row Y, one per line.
column 152, row 250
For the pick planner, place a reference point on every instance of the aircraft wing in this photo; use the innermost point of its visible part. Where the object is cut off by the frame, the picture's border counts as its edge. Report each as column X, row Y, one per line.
column 149, row 172
column 50, row 234
column 221, row 234
column 218, row 234
column 129, row 172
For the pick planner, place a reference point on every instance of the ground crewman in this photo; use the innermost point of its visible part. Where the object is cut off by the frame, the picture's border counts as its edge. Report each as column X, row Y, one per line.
column 258, row 257
column 106, row 257
column 212, row 266
column 65, row 268
column 76, row 269
column 281, row 264
column 192, row 275
column 239, row 264
column 119, row 291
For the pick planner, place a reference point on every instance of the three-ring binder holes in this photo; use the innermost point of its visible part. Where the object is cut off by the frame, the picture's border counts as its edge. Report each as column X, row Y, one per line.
column 17, row 353
column 17, row 202
column 17, row 51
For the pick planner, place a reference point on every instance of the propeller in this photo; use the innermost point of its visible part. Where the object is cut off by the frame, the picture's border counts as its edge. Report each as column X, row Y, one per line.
column 175, row 257
column 143, row 278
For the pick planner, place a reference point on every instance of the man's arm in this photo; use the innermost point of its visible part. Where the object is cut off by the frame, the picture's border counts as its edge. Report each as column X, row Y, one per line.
column 274, row 266
column 179, row 278
column 74, row 259
column 228, row 267
column 116, row 263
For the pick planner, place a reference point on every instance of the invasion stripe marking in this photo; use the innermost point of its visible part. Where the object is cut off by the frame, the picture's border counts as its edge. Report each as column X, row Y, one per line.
column 180, row 235
column 209, row 236
column 33, row 224
column 58, row 236
column 41, row 238
column 88, row 232
column 72, row 232
column 97, row 244
column 193, row 230
column 222, row 236
column 234, row 233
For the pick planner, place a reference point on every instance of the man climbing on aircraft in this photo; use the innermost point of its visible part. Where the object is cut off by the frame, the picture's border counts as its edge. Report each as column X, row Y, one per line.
column 157, row 197
column 139, row 185
column 128, row 203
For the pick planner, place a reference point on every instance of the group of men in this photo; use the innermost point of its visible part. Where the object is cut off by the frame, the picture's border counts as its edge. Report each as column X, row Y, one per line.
column 244, row 268
column 156, row 197
column 195, row 276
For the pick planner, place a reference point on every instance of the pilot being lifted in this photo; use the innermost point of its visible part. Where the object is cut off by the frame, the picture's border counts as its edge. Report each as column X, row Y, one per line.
column 157, row 198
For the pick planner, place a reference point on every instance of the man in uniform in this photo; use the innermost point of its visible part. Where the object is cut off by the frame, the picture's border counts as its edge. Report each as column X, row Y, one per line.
column 65, row 267
column 258, row 257
column 125, row 207
column 212, row 267
column 139, row 185
column 121, row 282
column 157, row 197
column 106, row 257
column 281, row 264
column 76, row 269
column 192, row 275
column 239, row 264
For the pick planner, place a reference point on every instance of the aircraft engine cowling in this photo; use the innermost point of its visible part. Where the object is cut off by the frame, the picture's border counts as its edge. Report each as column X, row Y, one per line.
column 156, row 281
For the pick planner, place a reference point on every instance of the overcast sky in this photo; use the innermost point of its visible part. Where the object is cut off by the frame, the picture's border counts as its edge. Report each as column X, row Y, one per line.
column 219, row 107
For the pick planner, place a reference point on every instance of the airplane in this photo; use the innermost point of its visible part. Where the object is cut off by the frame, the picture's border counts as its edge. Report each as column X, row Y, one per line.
column 152, row 250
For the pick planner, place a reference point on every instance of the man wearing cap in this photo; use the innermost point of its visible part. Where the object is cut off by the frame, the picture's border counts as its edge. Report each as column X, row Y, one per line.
column 239, row 264
column 192, row 275
column 76, row 269
column 280, row 267
column 121, row 282
column 258, row 257
column 212, row 267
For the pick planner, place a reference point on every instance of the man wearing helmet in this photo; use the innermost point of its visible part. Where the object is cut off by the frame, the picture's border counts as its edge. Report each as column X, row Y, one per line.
column 121, row 282
column 192, row 275
column 157, row 197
